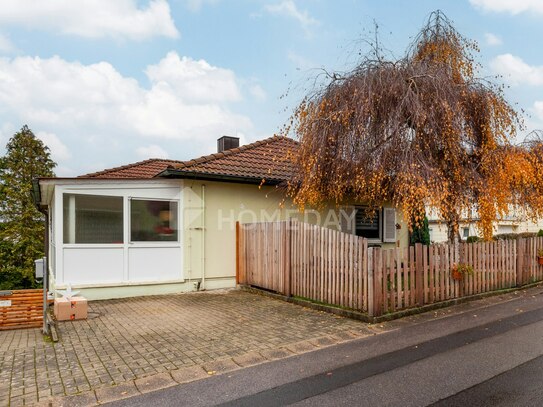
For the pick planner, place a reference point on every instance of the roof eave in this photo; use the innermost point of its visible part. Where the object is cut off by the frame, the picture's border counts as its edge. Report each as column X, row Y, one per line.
column 173, row 173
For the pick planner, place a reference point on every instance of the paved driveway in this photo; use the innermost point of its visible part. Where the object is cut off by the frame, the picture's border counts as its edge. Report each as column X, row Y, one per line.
column 139, row 344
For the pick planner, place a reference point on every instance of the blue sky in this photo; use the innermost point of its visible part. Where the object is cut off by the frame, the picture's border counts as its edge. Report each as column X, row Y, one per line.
column 105, row 83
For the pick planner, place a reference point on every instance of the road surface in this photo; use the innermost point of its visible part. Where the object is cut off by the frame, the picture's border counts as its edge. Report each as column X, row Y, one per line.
column 489, row 356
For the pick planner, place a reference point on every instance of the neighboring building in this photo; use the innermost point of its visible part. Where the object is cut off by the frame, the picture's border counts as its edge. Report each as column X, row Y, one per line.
column 516, row 222
column 164, row 226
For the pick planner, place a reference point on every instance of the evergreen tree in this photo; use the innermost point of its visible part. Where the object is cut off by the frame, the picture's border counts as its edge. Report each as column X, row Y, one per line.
column 420, row 234
column 21, row 224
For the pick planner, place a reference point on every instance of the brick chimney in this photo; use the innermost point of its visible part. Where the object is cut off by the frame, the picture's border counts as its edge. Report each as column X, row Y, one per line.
column 226, row 143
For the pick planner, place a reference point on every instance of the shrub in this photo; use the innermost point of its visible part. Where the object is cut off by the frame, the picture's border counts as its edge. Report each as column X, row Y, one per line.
column 420, row 233
column 15, row 279
column 513, row 236
column 473, row 239
column 540, row 233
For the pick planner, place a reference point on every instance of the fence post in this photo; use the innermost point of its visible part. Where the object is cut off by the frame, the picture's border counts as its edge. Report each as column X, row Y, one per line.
column 287, row 258
column 377, row 273
column 520, row 262
column 45, row 289
column 369, row 282
column 419, row 276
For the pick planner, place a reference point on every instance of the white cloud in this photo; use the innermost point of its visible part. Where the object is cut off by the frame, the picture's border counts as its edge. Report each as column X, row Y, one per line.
column 196, row 5
column 492, row 39
column 515, row 71
column 92, row 18
column 59, row 151
column 101, row 116
column 533, row 120
column 184, row 75
column 510, row 6
column 152, row 151
column 288, row 8
column 6, row 45
column 257, row 92
column 538, row 109
column 300, row 61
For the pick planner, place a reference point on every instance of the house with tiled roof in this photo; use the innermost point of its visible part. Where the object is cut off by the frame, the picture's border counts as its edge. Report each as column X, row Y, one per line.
column 164, row 226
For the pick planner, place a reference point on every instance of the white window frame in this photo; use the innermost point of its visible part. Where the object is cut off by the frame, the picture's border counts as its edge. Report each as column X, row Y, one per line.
column 153, row 243
column 381, row 212
column 73, row 225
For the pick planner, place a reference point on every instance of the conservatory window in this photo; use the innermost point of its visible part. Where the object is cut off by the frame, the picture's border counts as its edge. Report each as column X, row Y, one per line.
column 92, row 219
column 153, row 221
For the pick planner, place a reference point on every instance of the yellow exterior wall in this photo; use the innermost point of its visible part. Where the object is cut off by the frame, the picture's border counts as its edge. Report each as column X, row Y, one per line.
column 211, row 210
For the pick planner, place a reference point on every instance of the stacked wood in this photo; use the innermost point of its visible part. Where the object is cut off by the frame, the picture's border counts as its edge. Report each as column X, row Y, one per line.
column 25, row 309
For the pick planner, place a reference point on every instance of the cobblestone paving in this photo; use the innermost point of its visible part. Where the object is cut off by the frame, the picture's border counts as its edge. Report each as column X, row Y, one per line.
column 132, row 338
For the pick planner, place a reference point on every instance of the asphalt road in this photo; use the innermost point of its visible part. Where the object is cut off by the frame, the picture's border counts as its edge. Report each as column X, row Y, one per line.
column 489, row 356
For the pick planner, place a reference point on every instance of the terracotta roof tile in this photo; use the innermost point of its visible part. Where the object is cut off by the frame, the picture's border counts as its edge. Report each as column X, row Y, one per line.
column 142, row 169
column 268, row 159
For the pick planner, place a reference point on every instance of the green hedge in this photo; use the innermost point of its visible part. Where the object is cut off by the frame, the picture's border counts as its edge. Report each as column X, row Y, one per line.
column 16, row 280
column 513, row 236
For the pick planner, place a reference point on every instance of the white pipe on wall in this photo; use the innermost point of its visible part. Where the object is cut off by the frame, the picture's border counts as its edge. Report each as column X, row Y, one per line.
column 203, row 237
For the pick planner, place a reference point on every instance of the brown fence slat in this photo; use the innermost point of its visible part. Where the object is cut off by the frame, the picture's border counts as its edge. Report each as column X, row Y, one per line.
column 294, row 258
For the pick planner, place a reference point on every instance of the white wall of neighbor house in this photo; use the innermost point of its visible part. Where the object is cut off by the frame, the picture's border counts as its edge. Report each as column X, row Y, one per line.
column 517, row 221
column 113, row 239
column 438, row 230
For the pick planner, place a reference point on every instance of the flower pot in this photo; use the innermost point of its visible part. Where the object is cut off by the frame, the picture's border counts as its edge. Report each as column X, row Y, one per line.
column 457, row 275
column 540, row 260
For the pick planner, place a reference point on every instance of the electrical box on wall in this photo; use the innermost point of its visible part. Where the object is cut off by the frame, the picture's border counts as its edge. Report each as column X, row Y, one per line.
column 39, row 267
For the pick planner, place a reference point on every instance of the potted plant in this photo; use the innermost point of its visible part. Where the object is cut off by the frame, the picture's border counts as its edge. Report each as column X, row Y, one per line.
column 459, row 271
column 540, row 257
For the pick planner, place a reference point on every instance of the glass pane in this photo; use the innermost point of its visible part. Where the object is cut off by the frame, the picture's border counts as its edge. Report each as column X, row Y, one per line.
column 153, row 221
column 367, row 227
column 93, row 219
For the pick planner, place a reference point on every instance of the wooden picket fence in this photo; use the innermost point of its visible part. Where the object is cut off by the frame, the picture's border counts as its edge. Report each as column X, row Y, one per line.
column 21, row 309
column 304, row 260
column 324, row 265
column 397, row 273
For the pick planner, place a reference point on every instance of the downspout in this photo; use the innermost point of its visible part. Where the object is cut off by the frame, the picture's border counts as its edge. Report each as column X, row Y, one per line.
column 36, row 195
column 203, row 237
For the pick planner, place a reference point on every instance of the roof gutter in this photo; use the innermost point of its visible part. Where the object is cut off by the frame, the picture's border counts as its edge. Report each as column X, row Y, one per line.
column 173, row 173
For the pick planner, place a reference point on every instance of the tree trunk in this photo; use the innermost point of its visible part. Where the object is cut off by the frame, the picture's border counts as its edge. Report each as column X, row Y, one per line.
column 454, row 236
column 453, row 233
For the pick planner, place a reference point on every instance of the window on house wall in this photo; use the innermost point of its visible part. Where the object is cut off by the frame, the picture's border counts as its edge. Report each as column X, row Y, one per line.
column 465, row 233
column 378, row 226
column 368, row 225
column 153, row 221
column 92, row 219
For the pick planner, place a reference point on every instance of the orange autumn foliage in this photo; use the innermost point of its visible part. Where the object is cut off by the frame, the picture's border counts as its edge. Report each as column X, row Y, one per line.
column 422, row 131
